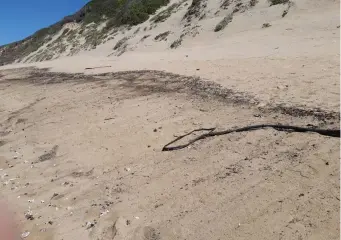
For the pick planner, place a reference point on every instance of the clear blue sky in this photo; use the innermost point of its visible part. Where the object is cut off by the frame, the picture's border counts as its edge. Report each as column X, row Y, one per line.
column 21, row 18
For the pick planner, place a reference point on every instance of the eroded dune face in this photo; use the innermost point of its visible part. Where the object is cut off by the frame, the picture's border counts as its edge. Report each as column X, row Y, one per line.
column 188, row 23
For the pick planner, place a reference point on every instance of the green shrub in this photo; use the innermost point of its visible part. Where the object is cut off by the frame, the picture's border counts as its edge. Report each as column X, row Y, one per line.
column 140, row 11
column 162, row 16
column 120, row 43
column 195, row 9
column 253, row 3
column 65, row 31
column 225, row 4
column 176, row 43
column 162, row 36
column 266, row 25
column 276, row 2
column 223, row 23
column 144, row 37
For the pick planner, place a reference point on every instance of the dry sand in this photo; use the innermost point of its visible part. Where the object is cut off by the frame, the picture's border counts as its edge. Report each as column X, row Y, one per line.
column 82, row 152
column 76, row 147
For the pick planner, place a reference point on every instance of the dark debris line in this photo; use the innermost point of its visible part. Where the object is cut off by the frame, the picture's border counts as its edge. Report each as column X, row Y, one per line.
column 169, row 82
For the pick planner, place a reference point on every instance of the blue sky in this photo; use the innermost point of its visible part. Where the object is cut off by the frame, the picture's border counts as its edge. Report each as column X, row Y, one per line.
column 21, row 18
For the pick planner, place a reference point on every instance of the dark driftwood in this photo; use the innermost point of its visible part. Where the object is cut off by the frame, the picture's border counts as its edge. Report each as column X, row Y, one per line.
column 96, row 67
column 278, row 127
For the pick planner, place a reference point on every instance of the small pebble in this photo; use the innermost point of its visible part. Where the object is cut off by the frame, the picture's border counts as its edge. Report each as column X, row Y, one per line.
column 89, row 225
column 25, row 234
column 104, row 213
column 29, row 216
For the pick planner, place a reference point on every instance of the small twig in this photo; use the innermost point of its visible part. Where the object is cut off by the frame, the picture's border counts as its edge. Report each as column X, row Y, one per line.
column 106, row 119
column 299, row 173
